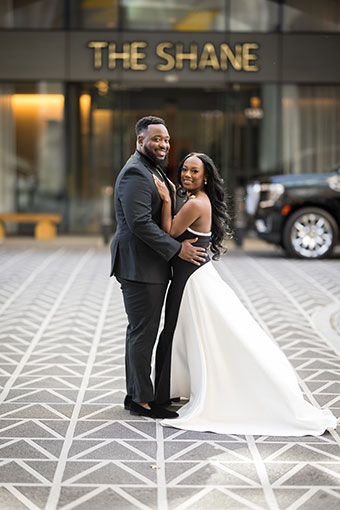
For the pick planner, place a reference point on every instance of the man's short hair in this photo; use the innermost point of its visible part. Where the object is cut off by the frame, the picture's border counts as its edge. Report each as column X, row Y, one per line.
column 145, row 122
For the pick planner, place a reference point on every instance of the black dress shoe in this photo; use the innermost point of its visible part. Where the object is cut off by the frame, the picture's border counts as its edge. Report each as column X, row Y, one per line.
column 140, row 410
column 127, row 402
column 154, row 412
column 168, row 402
column 160, row 412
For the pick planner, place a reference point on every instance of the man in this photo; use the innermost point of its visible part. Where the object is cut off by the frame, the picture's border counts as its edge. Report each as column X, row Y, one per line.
column 140, row 253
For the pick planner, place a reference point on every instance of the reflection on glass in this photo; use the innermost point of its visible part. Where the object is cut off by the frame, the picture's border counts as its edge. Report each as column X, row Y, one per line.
column 310, row 128
column 94, row 13
column 305, row 15
column 98, row 122
column 252, row 124
column 31, row 13
column 178, row 15
column 31, row 145
column 260, row 15
column 269, row 153
column 7, row 150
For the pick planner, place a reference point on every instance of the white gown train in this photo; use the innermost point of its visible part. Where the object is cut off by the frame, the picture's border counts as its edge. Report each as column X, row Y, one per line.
column 237, row 379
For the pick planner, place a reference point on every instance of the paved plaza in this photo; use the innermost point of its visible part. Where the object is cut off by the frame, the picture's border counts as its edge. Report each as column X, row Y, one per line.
column 67, row 443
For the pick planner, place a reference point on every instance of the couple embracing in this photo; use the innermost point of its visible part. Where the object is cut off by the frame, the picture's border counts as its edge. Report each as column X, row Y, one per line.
column 211, row 350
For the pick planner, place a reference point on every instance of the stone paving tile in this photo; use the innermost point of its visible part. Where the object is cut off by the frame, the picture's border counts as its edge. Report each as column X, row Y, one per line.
column 217, row 498
column 65, row 439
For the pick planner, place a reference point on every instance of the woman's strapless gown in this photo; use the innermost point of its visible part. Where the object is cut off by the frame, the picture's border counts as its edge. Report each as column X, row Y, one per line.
column 237, row 379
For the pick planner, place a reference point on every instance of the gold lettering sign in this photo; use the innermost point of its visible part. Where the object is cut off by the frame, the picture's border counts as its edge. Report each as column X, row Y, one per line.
column 176, row 56
column 98, row 53
column 136, row 55
column 227, row 54
column 116, row 55
column 247, row 56
column 191, row 56
column 170, row 61
column 209, row 58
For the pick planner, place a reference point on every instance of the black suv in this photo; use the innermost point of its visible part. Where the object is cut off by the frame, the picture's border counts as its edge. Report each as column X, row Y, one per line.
column 299, row 212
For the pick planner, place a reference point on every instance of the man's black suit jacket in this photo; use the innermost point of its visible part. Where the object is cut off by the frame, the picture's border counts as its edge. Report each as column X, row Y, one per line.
column 140, row 249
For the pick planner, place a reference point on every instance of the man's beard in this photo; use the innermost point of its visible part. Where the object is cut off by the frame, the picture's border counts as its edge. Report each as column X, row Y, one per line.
column 163, row 163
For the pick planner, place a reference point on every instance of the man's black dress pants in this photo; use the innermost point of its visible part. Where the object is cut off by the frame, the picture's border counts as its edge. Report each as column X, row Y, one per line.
column 143, row 305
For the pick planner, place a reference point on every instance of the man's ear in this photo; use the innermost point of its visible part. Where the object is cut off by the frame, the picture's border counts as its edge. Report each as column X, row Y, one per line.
column 140, row 139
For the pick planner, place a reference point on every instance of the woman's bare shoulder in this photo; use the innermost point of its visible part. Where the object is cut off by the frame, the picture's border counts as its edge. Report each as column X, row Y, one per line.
column 203, row 200
column 197, row 203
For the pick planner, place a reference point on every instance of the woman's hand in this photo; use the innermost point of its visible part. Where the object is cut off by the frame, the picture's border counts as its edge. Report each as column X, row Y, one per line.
column 162, row 189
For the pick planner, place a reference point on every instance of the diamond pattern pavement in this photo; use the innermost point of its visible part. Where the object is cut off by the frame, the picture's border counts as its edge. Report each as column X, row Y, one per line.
column 67, row 443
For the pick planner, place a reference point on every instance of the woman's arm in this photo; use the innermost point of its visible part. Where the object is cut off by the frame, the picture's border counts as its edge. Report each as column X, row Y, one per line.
column 186, row 216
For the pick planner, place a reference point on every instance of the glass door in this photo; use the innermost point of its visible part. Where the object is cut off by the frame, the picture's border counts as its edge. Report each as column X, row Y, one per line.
column 107, row 119
column 238, row 128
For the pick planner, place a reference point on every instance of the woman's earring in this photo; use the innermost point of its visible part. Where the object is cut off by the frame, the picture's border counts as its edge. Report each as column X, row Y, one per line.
column 205, row 181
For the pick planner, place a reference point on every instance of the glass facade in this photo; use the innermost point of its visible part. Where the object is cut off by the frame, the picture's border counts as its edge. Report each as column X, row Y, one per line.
column 307, row 16
column 173, row 15
column 89, row 14
column 106, row 131
column 252, row 116
column 310, row 128
column 248, row 130
column 32, row 176
column 191, row 15
column 238, row 128
column 253, row 15
column 208, row 15
column 39, row 14
column 63, row 141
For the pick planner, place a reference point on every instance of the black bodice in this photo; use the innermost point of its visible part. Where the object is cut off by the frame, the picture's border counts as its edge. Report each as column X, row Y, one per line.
column 187, row 268
column 203, row 240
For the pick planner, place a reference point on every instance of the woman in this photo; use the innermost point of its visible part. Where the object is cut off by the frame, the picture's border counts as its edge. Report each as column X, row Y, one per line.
column 237, row 378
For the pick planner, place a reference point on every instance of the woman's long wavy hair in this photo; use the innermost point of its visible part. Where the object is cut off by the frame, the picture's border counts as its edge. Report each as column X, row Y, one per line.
column 214, row 189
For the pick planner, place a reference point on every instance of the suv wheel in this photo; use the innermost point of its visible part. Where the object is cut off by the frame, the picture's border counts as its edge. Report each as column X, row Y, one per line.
column 310, row 233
